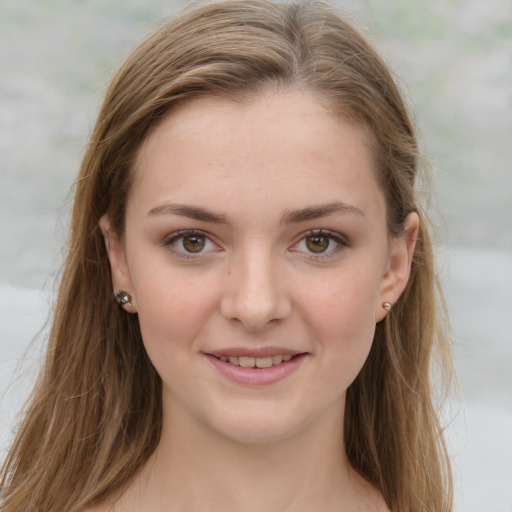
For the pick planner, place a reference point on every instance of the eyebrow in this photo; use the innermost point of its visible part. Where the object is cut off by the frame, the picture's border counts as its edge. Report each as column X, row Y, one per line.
column 289, row 217
column 192, row 212
column 322, row 210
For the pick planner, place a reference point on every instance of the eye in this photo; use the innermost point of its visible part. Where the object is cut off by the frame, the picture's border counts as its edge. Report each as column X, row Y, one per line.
column 320, row 244
column 189, row 243
column 193, row 243
column 317, row 243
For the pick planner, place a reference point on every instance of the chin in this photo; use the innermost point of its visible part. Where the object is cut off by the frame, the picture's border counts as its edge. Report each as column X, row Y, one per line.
column 259, row 426
column 257, row 434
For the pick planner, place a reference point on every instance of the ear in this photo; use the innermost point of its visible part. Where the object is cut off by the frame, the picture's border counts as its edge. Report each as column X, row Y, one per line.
column 396, row 276
column 121, row 279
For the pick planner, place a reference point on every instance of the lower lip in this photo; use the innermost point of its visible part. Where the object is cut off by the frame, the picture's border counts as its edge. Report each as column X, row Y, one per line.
column 257, row 376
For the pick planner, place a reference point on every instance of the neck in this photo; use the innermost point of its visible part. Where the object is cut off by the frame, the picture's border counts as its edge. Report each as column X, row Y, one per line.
column 197, row 469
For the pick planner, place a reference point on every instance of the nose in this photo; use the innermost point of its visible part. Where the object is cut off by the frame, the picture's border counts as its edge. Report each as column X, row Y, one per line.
column 254, row 291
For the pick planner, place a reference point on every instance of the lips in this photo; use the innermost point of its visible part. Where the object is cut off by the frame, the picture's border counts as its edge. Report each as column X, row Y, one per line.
column 258, row 366
column 263, row 357
column 257, row 362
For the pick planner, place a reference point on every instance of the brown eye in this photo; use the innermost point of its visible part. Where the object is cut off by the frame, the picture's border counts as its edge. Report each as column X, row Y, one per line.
column 194, row 243
column 317, row 243
column 190, row 243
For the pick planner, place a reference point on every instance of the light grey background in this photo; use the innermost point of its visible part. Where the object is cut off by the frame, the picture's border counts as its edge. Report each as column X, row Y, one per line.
column 454, row 60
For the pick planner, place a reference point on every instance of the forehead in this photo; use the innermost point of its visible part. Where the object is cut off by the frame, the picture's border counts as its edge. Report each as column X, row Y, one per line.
column 284, row 145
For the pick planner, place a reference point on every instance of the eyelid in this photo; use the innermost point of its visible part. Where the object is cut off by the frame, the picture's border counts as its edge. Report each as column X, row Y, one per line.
column 341, row 241
column 170, row 239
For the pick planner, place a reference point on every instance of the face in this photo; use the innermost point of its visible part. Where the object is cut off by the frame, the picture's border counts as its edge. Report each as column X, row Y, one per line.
column 257, row 257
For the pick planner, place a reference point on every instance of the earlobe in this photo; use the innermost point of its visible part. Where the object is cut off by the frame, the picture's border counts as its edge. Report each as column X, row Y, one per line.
column 121, row 279
column 400, row 260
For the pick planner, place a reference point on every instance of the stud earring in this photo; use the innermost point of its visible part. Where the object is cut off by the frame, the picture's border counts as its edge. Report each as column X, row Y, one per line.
column 123, row 298
column 386, row 305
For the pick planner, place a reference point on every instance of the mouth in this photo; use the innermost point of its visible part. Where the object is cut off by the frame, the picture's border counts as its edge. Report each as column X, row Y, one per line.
column 256, row 362
column 257, row 367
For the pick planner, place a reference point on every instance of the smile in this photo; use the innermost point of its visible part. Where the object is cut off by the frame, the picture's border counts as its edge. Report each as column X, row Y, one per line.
column 257, row 367
column 256, row 362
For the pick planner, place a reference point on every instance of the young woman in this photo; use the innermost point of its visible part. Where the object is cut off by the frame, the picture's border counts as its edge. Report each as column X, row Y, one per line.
column 247, row 312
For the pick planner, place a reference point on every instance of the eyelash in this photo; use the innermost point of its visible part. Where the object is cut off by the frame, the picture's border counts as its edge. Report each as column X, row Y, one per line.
column 181, row 235
column 341, row 241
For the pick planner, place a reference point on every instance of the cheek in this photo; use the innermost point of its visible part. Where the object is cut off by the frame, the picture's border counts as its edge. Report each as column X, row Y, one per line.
column 343, row 302
column 172, row 309
column 341, row 316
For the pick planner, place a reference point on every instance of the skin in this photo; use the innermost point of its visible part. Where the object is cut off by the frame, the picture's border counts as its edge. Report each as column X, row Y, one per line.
column 258, row 280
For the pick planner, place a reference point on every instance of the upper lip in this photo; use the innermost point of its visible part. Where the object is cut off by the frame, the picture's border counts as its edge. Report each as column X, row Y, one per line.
column 254, row 352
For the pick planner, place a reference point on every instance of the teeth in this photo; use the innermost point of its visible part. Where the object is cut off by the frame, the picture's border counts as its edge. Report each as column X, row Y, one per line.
column 277, row 359
column 263, row 362
column 247, row 362
column 256, row 362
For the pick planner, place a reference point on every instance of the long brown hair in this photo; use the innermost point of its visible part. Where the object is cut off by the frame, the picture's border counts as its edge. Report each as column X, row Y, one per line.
column 94, row 417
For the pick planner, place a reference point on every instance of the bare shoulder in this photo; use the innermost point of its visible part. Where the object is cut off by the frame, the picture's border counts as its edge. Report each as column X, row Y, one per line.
column 378, row 504
column 371, row 498
column 116, row 503
column 382, row 507
column 102, row 507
